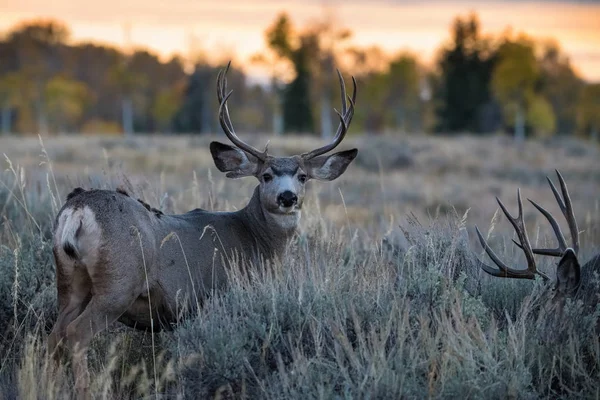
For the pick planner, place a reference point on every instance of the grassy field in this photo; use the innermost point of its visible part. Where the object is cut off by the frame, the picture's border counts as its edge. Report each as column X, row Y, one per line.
column 379, row 297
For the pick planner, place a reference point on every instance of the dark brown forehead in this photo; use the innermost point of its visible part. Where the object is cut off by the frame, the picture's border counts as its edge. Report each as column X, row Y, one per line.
column 283, row 165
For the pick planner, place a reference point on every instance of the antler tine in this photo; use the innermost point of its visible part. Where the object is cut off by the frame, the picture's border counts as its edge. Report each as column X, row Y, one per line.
column 344, row 95
column 219, row 96
column 503, row 271
column 566, row 207
column 567, row 210
column 519, row 226
column 225, row 119
column 562, row 244
column 343, row 91
column 345, row 119
column 221, row 87
column 345, row 98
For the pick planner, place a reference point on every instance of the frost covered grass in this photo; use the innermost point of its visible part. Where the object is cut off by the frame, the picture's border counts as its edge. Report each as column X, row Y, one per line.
column 378, row 297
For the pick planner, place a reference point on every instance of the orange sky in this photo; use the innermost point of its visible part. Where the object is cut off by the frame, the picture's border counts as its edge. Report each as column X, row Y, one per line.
column 237, row 26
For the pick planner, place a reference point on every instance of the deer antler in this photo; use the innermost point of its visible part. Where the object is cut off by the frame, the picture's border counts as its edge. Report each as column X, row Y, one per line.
column 504, row 271
column 345, row 120
column 225, row 119
column 567, row 209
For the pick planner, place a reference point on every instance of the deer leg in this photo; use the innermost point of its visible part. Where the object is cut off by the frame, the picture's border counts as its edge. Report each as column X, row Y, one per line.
column 100, row 312
column 72, row 300
column 66, row 316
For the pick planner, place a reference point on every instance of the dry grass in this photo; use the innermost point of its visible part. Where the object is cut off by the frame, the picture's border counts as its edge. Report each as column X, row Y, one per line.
column 360, row 309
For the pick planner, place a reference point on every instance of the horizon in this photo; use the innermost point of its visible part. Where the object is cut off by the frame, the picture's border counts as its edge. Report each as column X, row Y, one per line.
column 421, row 28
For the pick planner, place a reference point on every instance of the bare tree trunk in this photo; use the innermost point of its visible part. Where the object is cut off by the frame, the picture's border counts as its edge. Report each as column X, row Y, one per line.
column 6, row 122
column 42, row 121
column 327, row 67
column 400, row 124
column 278, row 106
column 519, row 126
column 206, row 125
column 127, row 116
column 278, row 115
column 40, row 103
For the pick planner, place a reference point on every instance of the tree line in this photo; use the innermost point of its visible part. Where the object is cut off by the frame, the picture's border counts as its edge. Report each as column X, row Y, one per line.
column 480, row 84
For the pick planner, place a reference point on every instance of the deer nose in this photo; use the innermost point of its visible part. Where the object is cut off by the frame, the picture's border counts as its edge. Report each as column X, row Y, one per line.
column 287, row 198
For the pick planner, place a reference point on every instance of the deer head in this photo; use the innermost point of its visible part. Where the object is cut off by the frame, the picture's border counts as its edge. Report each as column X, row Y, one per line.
column 282, row 180
column 573, row 281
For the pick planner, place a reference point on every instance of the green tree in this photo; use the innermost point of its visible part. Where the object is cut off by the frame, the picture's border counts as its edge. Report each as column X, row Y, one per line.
column 273, row 102
column 129, row 83
column 328, row 40
column 588, row 117
column 369, row 65
column 11, row 97
column 514, row 82
column 165, row 107
column 465, row 70
column 560, row 85
column 194, row 115
column 40, row 47
column 297, row 112
column 372, row 115
column 540, row 116
column 66, row 100
column 38, row 51
column 280, row 37
column 199, row 106
column 298, row 50
column 403, row 91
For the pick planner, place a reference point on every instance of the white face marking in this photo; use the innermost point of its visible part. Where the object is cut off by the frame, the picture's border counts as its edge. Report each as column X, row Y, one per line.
column 285, row 183
column 284, row 178
column 287, row 221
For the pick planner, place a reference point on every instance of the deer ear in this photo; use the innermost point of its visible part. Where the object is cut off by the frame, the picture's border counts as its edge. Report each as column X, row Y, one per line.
column 232, row 160
column 327, row 168
column 568, row 273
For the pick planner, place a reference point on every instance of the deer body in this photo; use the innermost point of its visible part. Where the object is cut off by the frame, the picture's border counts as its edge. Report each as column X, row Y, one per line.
column 183, row 255
column 117, row 259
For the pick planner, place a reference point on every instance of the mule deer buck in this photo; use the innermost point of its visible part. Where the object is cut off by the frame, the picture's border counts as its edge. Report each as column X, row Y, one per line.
column 580, row 283
column 119, row 260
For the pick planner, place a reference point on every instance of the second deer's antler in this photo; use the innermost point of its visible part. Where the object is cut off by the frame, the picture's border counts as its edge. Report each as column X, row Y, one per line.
column 503, row 271
column 566, row 207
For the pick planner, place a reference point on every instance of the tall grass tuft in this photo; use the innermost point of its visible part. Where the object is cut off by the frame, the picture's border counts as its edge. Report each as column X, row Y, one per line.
column 361, row 307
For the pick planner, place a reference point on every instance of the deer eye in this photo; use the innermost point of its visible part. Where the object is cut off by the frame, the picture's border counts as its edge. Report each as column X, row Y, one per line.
column 302, row 178
column 267, row 177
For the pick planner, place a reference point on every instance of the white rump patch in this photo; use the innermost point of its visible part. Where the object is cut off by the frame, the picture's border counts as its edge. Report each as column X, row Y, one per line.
column 78, row 228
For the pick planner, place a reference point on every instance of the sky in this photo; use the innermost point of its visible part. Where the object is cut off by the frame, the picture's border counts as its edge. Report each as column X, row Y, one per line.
column 237, row 26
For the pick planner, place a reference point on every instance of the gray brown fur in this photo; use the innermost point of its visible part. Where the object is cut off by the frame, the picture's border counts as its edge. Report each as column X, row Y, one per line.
column 156, row 211
column 118, row 259
column 75, row 192
column 588, row 288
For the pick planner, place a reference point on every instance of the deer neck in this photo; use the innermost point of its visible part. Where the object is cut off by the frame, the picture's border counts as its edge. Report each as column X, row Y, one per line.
column 271, row 234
